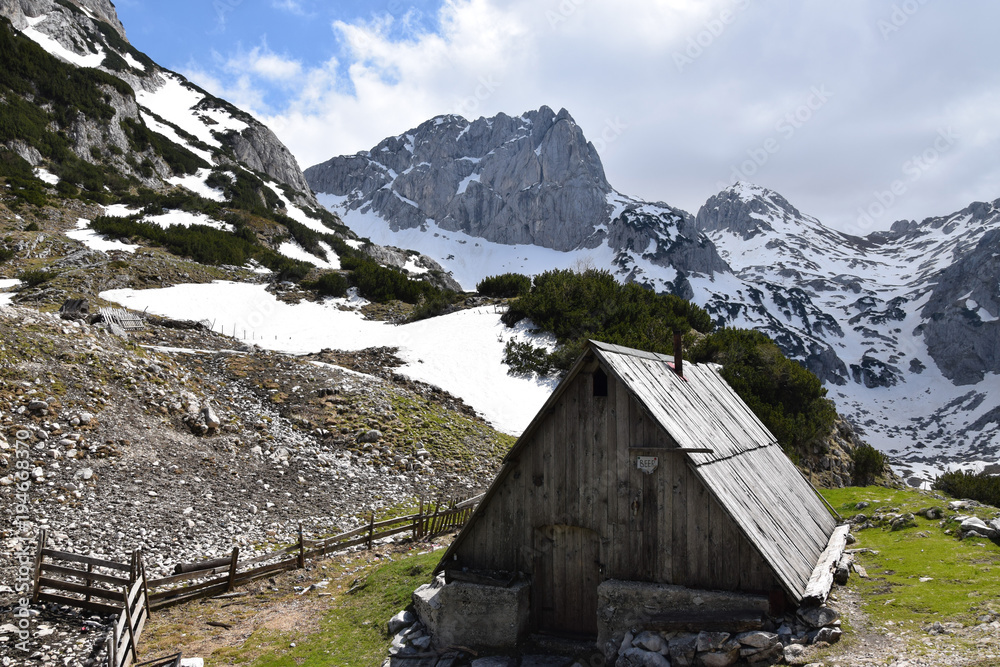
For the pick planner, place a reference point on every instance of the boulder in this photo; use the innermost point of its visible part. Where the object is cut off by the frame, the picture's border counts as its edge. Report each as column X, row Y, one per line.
column 403, row 619
column 796, row 654
column 818, row 617
column 682, row 650
column 711, row 641
column 636, row 657
column 828, row 635
column 650, row 641
column 370, row 436
column 758, row 639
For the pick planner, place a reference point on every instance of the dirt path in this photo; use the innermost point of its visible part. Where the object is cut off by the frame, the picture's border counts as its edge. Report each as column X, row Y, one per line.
column 867, row 643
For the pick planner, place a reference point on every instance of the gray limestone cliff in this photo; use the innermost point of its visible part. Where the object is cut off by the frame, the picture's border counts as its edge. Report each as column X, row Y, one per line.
column 962, row 316
column 19, row 11
column 531, row 179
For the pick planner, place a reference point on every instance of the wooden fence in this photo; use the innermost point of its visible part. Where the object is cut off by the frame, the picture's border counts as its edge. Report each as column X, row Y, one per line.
column 99, row 585
column 123, row 641
column 86, row 582
column 110, row 588
column 121, row 320
column 218, row 576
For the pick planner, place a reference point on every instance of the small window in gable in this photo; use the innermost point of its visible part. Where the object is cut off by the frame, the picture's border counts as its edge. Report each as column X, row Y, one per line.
column 600, row 382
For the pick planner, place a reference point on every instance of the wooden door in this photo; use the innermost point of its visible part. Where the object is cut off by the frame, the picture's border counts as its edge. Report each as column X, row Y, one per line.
column 567, row 571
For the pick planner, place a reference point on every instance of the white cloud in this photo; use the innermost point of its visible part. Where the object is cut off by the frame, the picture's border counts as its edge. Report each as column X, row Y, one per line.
column 292, row 6
column 697, row 86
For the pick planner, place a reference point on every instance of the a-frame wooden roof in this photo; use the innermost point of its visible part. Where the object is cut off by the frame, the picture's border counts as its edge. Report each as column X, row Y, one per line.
column 744, row 468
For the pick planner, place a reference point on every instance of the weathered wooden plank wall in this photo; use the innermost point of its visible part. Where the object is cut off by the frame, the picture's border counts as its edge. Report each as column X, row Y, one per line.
column 579, row 469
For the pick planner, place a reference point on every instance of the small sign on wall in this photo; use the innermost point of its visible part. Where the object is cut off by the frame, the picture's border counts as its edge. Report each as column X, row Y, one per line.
column 647, row 464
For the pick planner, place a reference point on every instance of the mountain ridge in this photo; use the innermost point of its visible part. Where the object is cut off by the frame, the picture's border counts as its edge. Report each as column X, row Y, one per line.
column 875, row 317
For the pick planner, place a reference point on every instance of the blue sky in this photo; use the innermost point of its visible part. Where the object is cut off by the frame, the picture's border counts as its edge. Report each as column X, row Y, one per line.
column 860, row 112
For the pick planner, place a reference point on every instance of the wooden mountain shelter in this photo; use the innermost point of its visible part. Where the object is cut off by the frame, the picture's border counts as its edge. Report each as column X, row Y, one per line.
column 637, row 471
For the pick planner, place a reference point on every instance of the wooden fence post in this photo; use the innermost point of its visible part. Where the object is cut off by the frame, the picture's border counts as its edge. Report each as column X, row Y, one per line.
column 302, row 549
column 371, row 531
column 132, row 641
column 90, row 569
column 133, row 572
column 42, row 536
column 232, row 569
column 145, row 584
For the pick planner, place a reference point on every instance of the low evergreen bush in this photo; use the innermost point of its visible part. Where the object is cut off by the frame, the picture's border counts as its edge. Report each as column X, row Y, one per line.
column 36, row 277
column 982, row 487
column 507, row 285
column 869, row 464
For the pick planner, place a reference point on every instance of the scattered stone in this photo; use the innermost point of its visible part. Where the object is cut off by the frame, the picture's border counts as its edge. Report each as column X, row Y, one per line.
column 818, row 617
column 636, row 657
column 401, row 620
column 371, row 436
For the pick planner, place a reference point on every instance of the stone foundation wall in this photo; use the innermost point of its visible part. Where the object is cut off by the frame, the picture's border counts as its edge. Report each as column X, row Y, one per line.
column 473, row 615
column 624, row 606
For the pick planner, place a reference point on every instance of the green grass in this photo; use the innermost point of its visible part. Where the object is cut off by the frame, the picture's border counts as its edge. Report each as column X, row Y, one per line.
column 352, row 633
column 963, row 582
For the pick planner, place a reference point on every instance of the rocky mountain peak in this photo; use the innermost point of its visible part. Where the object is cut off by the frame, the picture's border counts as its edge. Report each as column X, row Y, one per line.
column 528, row 179
column 61, row 21
column 746, row 210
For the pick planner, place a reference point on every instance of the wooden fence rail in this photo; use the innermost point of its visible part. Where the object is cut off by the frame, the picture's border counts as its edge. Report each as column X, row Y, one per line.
column 124, row 591
column 219, row 579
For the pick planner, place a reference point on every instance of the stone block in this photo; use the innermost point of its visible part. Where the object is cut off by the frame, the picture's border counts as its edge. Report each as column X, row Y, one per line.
column 473, row 615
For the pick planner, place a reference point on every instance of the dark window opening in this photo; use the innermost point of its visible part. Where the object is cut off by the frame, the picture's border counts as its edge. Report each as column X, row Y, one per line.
column 600, row 382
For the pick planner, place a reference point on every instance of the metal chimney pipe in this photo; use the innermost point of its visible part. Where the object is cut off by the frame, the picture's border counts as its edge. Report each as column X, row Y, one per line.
column 678, row 354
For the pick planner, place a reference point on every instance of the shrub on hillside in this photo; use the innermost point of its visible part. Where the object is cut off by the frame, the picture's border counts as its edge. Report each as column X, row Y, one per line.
column 330, row 284
column 504, row 286
column 36, row 277
column 869, row 464
column 382, row 284
column 435, row 303
column 981, row 487
column 592, row 304
column 526, row 359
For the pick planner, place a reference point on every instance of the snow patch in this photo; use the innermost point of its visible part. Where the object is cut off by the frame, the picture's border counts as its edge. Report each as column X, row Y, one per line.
column 464, row 185
column 469, row 258
column 56, row 49
column 469, row 366
column 171, row 134
column 186, row 219
column 46, row 176
column 196, row 184
column 175, row 101
column 120, row 211
column 293, row 250
column 95, row 241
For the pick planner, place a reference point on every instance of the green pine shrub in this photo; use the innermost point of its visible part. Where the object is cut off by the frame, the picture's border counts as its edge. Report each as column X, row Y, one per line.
column 36, row 277
column 869, row 464
column 981, row 487
column 507, row 285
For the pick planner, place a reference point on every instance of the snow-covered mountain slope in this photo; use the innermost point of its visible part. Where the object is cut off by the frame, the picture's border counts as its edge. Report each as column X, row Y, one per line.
column 530, row 180
column 908, row 318
column 87, row 33
column 902, row 325
column 120, row 128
